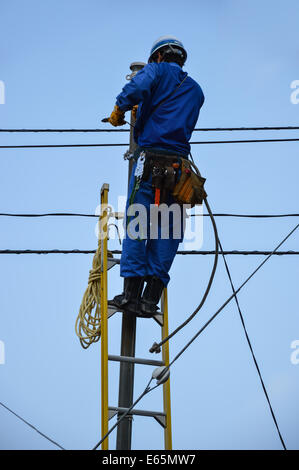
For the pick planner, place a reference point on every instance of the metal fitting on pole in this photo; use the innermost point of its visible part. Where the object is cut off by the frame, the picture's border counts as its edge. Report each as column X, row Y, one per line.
column 135, row 67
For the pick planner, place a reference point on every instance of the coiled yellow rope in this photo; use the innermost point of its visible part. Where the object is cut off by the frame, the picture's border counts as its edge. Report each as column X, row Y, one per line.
column 88, row 322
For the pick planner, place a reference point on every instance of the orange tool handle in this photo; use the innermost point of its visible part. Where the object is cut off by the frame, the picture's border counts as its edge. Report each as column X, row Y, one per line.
column 157, row 197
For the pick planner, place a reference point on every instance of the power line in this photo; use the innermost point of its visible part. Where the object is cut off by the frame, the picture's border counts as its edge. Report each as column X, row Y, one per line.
column 118, row 252
column 59, row 146
column 257, row 216
column 63, row 130
column 199, row 129
column 243, row 141
column 31, row 426
column 229, row 299
column 126, row 144
column 154, row 347
column 74, row 214
column 250, row 346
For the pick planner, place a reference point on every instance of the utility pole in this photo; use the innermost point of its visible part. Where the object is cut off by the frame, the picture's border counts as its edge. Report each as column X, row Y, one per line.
column 128, row 334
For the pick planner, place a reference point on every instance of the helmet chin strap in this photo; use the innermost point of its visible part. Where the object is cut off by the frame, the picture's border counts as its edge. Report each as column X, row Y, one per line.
column 172, row 50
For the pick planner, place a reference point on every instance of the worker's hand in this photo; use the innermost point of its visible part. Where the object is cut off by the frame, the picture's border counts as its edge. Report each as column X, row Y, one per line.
column 134, row 111
column 117, row 117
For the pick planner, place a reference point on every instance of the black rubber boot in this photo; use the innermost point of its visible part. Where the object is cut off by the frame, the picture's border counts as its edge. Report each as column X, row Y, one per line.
column 129, row 300
column 151, row 296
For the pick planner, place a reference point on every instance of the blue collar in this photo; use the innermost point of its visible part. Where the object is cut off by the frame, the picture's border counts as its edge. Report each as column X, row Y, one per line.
column 175, row 64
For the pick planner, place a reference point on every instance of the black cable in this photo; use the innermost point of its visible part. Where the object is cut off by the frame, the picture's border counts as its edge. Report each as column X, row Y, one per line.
column 118, row 252
column 201, row 129
column 50, row 214
column 236, row 252
column 230, row 298
column 59, row 146
column 31, row 426
column 74, row 214
column 63, row 130
column 256, row 216
column 250, row 346
column 265, row 128
column 157, row 346
column 123, row 145
column 243, row 141
column 147, row 389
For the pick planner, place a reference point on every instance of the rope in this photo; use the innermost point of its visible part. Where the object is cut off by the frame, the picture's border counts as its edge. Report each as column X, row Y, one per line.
column 88, row 322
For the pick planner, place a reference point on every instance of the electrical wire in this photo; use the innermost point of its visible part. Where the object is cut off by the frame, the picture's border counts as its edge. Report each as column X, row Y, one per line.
column 157, row 346
column 243, row 141
column 126, row 144
column 147, row 389
column 221, row 308
column 200, row 129
column 183, row 252
column 62, row 130
column 74, row 214
column 60, row 146
column 255, row 216
column 230, row 298
column 31, row 426
column 250, row 346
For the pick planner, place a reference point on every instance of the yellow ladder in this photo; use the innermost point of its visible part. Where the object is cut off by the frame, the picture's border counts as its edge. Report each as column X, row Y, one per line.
column 107, row 412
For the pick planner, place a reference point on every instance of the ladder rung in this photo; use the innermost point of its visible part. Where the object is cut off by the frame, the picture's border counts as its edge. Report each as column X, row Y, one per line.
column 159, row 416
column 153, row 414
column 136, row 360
column 111, row 262
column 158, row 317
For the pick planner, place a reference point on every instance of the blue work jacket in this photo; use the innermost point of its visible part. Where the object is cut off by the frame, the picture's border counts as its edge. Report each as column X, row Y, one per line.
column 170, row 126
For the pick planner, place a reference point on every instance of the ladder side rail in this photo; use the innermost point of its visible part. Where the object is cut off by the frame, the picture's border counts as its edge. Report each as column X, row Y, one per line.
column 166, row 385
column 103, row 233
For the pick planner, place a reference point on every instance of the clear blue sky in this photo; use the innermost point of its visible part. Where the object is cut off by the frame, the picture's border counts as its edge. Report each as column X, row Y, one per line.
column 63, row 63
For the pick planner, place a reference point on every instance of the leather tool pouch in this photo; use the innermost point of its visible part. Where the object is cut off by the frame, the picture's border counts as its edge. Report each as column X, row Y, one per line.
column 164, row 171
column 190, row 187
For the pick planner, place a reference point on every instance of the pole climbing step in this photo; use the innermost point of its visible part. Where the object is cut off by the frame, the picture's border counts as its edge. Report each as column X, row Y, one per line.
column 108, row 412
column 158, row 415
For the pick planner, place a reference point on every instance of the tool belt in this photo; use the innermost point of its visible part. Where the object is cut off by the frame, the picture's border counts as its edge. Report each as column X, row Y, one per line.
column 172, row 174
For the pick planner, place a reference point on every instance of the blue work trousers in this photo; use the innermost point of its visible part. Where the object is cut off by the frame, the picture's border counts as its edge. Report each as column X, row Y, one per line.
column 151, row 253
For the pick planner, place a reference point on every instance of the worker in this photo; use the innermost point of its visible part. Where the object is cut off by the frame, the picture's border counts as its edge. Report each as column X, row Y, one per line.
column 168, row 101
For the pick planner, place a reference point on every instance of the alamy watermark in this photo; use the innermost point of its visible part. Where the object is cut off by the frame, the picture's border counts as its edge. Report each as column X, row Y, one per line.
column 2, row 92
column 2, row 353
column 295, row 353
column 164, row 221
column 295, row 94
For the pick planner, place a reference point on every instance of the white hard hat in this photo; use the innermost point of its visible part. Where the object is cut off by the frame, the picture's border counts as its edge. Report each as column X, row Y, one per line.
column 167, row 41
